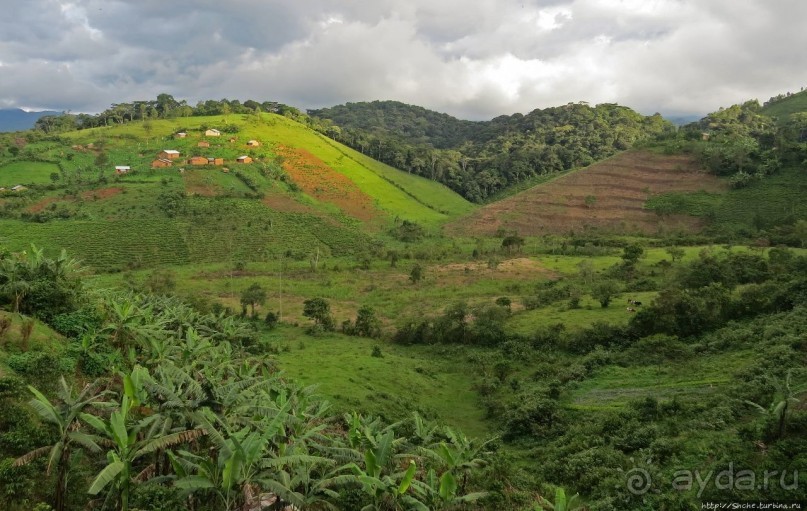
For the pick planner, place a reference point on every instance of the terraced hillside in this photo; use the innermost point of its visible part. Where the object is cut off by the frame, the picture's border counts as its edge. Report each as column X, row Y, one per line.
column 608, row 196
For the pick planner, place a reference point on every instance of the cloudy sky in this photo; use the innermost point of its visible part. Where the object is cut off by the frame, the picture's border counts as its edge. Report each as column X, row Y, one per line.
column 471, row 58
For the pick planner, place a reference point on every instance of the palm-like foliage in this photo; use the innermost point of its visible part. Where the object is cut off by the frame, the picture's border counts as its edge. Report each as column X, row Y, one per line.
column 786, row 397
column 562, row 503
column 226, row 428
column 34, row 283
column 130, row 439
column 64, row 416
column 244, row 464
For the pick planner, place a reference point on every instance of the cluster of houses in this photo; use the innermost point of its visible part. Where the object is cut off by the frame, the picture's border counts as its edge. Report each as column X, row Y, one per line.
column 167, row 157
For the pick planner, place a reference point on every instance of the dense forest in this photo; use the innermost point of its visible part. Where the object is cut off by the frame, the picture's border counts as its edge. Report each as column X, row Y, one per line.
column 478, row 159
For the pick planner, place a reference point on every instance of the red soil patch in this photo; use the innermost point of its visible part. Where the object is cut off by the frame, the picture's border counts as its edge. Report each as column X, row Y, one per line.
column 286, row 204
column 100, row 194
column 42, row 204
column 620, row 185
column 325, row 184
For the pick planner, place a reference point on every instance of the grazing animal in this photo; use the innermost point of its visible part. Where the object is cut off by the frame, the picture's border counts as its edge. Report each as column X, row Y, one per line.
column 631, row 309
column 631, row 301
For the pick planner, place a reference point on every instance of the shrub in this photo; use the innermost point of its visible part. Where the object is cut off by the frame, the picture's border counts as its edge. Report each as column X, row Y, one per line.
column 74, row 324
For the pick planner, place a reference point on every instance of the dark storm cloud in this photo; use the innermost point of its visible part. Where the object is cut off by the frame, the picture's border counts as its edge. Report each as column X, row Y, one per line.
column 472, row 59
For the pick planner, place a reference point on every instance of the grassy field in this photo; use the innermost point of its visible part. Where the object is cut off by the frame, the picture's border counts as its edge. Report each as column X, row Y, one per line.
column 590, row 311
column 26, row 173
column 762, row 204
column 614, row 386
column 790, row 105
column 402, row 380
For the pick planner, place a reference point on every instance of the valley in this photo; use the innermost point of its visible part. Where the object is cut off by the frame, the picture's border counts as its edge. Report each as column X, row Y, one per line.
column 640, row 305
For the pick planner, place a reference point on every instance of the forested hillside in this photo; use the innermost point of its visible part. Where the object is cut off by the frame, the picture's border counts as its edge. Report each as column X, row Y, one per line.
column 479, row 159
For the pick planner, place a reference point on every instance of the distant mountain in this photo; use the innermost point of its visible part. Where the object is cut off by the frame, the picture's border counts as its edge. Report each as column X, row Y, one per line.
column 15, row 119
column 681, row 120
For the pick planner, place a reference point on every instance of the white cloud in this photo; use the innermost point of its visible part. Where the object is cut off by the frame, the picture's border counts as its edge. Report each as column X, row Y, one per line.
column 473, row 59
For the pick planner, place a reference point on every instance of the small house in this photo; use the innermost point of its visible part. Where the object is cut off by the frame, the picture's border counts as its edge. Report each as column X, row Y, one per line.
column 18, row 188
column 168, row 154
column 244, row 159
column 253, row 143
column 122, row 169
column 232, row 140
column 212, row 133
column 203, row 143
column 705, row 136
column 215, row 161
column 181, row 134
column 197, row 160
column 161, row 163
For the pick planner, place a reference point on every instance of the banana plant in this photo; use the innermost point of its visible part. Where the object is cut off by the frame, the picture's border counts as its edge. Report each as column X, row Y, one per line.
column 130, row 439
column 64, row 414
column 241, row 466
column 460, row 455
column 786, row 397
column 386, row 488
column 561, row 502
column 440, row 492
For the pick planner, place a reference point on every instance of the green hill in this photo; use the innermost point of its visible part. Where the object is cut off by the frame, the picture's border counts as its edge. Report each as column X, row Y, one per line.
column 302, row 191
column 485, row 159
column 782, row 107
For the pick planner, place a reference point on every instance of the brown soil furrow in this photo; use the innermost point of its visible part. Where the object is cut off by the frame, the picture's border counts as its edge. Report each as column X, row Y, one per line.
column 620, row 186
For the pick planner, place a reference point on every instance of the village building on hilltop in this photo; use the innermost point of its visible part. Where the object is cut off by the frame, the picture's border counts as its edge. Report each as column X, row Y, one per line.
column 212, row 132
column 168, row 154
column 203, row 143
column 244, row 159
column 161, row 163
column 122, row 169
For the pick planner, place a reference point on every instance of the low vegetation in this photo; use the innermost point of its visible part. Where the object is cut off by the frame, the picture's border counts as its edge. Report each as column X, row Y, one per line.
column 317, row 330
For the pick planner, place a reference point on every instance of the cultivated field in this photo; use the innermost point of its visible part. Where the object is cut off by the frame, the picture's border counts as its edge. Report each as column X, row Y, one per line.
column 608, row 196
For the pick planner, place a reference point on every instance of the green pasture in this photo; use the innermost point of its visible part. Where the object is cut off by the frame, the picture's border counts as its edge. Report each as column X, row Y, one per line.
column 771, row 201
column 527, row 322
column 27, row 173
column 614, row 386
column 401, row 381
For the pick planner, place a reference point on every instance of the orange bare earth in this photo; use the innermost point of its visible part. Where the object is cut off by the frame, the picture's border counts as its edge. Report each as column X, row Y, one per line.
column 617, row 189
column 323, row 183
column 100, row 194
column 286, row 204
